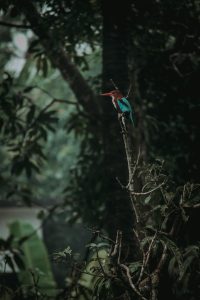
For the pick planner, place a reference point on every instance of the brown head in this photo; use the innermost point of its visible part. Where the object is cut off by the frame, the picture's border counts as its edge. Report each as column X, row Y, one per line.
column 116, row 94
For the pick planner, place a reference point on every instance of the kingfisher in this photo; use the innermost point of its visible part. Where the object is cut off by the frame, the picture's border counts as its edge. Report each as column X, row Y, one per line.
column 121, row 104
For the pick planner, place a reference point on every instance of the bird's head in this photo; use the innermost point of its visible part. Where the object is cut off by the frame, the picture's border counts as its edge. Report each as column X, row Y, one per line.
column 115, row 94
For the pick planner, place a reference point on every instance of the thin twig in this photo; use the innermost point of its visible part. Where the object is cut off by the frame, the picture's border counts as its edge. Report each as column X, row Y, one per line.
column 137, row 237
column 120, row 247
column 146, row 258
column 115, row 86
column 121, row 184
column 8, row 24
column 116, row 245
column 155, row 276
column 192, row 206
column 35, row 284
column 134, row 208
column 88, row 273
column 148, row 192
column 106, row 238
column 130, row 87
column 134, row 169
column 162, row 260
column 132, row 285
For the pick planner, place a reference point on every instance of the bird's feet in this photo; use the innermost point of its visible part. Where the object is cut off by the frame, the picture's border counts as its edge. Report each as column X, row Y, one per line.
column 121, row 118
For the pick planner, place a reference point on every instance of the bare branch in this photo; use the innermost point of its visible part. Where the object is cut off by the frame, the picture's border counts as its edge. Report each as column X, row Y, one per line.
column 120, row 247
column 192, row 206
column 134, row 208
column 134, row 170
column 132, row 285
column 146, row 258
column 116, row 245
column 148, row 192
column 8, row 24
column 129, row 90
column 115, row 86
column 121, row 185
column 60, row 59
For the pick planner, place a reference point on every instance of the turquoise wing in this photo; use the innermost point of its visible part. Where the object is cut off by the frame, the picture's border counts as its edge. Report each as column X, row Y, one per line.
column 125, row 106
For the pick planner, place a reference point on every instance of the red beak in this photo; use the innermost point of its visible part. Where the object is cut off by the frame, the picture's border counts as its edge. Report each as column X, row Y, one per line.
column 106, row 94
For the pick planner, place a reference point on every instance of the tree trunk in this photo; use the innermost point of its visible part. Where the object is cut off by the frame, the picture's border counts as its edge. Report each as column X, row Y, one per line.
column 115, row 65
column 119, row 211
column 60, row 59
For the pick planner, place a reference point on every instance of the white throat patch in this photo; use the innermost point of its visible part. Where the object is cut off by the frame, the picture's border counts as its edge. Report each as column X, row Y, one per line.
column 113, row 102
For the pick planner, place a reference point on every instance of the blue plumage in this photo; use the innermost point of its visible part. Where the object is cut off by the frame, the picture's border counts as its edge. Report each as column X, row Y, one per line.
column 125, row 108
column 121, row 104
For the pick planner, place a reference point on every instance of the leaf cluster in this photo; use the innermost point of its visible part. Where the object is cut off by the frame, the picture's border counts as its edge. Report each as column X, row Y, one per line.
column 24, row 126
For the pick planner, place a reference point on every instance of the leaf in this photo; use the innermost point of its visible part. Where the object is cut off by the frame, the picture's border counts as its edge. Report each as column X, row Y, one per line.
column 23, row 239
column 68, row 251
column 51, row 112
column 135, row 266
column 34, row 166
column 43, row 133
column 171, row 266
column 10, row 194
column 91, row 245
column 41, row 215
column 32, row 47
column 9, row 241
column 146, row 240
column 187, row 263
column 102, row 245
column 38, row 63
column 176, row 252
column 14, row 12
column 44, row 66
column 8, row 260
column 33, row 249
column 19, row 261
column 45, row 117
column 37, row 149
column 28, row 169
column 28, row 89
column 17, row 167
column 147, row 199
column 30, row 114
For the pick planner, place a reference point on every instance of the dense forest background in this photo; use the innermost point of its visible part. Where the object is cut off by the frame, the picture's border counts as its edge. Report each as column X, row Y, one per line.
column 62, row 147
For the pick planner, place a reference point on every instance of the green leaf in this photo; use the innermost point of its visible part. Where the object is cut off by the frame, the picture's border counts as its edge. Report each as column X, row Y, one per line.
column 28, row 169
column 135, row 266
column 17, row 167
column 176, row 252
column 41, row 215
column 35, row 167
column 43, row 133
column 28, row 89
column 35, row 257
column 44, row 66
column 103, row 245
column 19, row 261
column 91, row 245
column 30, row 115
column 8, row 260
column 147, row 199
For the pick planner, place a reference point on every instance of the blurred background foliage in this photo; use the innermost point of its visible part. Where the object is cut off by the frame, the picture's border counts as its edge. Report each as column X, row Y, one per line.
column 25, row 76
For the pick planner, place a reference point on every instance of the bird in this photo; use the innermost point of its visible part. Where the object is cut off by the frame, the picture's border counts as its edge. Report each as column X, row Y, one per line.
column 121, row 104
